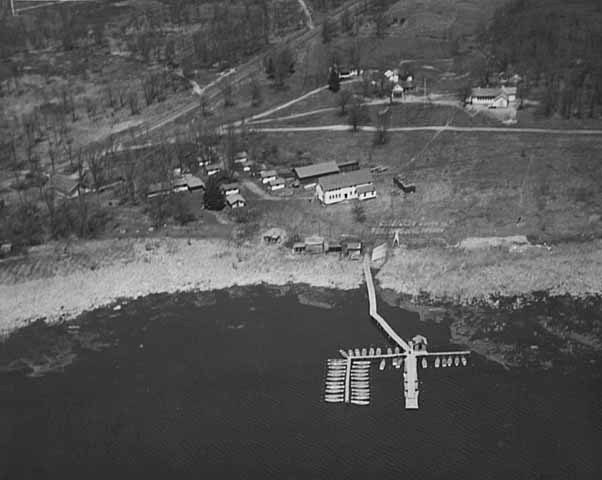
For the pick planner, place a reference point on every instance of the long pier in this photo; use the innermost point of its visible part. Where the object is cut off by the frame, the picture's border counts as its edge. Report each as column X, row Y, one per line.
column 374, row 312
column 347, row 378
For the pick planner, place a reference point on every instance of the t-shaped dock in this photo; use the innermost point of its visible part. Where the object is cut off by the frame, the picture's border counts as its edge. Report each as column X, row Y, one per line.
column 347, row 377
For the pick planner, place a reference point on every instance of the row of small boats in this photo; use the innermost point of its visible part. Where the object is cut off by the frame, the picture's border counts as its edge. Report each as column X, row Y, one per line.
column 365, row 352
column 447, row 362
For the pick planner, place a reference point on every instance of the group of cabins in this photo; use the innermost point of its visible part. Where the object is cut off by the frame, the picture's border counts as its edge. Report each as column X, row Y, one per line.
column 181, row 183
column 347, row 247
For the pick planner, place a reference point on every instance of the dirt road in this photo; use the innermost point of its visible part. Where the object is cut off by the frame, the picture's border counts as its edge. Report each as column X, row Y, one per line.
column 429, row 128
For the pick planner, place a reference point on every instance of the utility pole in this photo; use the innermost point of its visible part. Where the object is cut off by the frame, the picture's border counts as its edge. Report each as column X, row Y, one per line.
column 12, row 7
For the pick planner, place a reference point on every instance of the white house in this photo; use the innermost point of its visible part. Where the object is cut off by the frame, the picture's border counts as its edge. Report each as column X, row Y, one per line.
column 345, row 186
column 267, row 176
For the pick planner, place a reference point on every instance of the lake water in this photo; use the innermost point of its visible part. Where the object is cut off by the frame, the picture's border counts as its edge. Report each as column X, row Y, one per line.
column 234, row 390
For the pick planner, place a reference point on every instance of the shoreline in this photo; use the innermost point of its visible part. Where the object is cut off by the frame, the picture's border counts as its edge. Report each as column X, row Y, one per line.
column 165, row 265
column 432, row 282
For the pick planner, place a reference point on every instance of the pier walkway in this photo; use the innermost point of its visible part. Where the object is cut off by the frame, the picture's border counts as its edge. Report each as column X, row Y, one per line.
column 373, row 311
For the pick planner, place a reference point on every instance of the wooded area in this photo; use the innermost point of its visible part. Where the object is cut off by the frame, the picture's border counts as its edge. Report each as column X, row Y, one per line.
column 555, row 45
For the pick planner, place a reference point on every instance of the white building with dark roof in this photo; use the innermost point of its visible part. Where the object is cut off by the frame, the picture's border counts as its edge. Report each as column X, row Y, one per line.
column 346, row 186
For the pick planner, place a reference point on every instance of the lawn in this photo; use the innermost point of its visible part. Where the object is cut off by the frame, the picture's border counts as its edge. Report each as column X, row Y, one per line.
column 468, row 184
column 401, row 115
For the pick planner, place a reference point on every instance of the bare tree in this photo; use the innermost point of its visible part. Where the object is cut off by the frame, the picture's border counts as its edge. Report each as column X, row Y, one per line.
column 357, row 113
column 343, row 99
column 228, row 91
column 256, row 95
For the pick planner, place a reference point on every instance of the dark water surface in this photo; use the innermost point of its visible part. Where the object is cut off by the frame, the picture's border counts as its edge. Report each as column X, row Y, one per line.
column 233, row 390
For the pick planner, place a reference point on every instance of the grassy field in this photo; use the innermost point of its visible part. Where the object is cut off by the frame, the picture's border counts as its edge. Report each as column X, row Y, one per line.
column 468, row 184
column 401, row 115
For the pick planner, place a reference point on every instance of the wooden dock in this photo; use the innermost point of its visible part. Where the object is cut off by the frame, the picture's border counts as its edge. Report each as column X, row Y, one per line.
column 374, row 312
column 347, row 378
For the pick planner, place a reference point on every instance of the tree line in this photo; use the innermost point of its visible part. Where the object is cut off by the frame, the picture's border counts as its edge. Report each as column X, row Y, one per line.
column 556, row 47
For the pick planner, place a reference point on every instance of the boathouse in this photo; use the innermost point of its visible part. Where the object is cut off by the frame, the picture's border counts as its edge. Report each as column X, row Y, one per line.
column 346, row 186
column 419, row 343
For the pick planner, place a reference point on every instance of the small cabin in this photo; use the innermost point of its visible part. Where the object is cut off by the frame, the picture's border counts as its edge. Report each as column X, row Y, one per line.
column 314, row 244
column 213, row 169
column 235, row 200
column 352, row 249
column 335, row 247
column 229, row 188
column 273, row 235
column 299, row 247
column 5, row 249
column 241, row 157
column 267, row 176
column 158, row 189
column 277, row 184
column 194, row 183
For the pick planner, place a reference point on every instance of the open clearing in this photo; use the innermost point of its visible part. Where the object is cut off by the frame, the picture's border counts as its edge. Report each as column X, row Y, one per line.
column 468, row 184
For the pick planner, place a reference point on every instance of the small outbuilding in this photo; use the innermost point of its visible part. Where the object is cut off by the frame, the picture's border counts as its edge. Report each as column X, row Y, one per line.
column 267, row 176
column 235, row 200
column 65, row 186
column 352, row 248
column 194, row 183
column 158, row 189
column 213, row 169
column 299, row 247
column 241, row 157
column 314, row 244
column 5, row 249
column 277, row 184
column 419, row 343
column 229, row 188
column 274, row 235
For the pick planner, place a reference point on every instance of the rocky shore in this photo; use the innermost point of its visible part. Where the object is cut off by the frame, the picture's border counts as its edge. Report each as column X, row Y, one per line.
column 163, row 266
column 517, row 308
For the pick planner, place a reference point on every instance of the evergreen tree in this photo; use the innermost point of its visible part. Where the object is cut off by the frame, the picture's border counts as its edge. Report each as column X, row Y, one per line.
column 214, row 198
